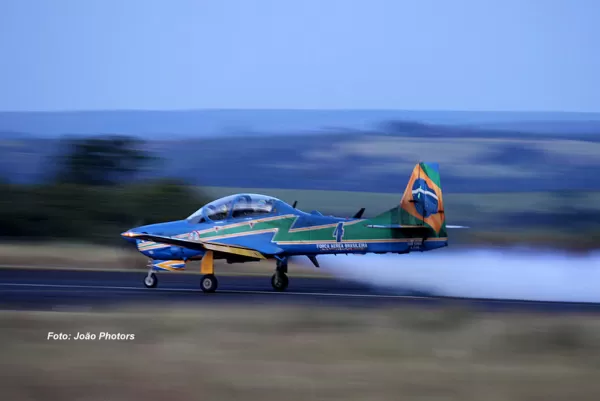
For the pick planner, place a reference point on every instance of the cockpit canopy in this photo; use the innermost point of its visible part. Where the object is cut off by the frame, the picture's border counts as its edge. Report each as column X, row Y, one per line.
column 234, row 207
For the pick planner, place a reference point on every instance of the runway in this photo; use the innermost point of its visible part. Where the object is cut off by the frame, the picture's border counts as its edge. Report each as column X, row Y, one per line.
column 41, row 289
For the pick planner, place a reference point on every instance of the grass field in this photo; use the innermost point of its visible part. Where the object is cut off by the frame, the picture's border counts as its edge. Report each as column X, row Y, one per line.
column 301, row 353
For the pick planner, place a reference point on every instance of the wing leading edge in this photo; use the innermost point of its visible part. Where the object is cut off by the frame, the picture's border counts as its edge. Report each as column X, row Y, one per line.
column 259, row 252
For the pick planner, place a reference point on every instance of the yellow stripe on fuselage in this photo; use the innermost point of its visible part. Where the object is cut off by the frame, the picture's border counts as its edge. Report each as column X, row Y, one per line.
column 238, row 251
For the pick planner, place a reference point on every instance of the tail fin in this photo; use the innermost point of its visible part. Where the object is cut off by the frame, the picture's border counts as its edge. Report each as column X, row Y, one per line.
column 422, row 204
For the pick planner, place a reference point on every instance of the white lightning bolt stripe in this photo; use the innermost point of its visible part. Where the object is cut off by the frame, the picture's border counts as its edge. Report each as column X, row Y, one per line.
column 424, row 192
column 242, row 234
column 268, row 219
column 329, row 225
column 263, row 231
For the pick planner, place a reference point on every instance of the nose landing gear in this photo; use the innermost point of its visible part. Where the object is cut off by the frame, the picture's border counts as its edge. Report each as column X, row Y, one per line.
column 151, row 281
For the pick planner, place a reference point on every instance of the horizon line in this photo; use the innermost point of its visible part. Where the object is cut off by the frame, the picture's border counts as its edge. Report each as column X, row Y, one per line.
column 225, row 109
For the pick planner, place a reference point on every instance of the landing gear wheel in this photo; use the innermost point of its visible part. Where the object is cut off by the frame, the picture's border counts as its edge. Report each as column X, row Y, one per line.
column 151, row 281
column 280, row 281
column 209, row 283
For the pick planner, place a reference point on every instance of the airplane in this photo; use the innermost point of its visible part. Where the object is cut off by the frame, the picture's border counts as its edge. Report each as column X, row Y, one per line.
column 249, row 227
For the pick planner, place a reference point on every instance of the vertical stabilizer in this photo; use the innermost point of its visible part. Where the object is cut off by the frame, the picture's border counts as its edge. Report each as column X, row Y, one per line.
column 422, row 203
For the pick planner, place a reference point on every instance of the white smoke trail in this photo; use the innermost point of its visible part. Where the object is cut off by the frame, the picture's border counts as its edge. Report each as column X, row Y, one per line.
column 500, row 274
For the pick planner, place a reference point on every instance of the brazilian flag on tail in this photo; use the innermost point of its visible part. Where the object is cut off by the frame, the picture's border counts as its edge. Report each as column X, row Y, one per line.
column 421, row 206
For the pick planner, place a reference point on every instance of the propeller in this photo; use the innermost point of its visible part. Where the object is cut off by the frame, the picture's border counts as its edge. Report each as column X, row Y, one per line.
column 127, row 244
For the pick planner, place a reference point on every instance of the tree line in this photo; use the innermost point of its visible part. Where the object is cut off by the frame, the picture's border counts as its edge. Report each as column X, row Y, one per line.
column 92, row 194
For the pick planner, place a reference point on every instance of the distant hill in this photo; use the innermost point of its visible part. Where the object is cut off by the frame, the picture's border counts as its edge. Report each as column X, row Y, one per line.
column 205, row 123
column 584, row 127
column 377, row 160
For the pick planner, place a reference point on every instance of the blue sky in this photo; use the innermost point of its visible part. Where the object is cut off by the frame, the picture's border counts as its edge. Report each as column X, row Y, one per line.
column 536, row 55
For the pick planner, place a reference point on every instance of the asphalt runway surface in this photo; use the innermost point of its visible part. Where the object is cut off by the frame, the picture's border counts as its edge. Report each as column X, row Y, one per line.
column 43, row 289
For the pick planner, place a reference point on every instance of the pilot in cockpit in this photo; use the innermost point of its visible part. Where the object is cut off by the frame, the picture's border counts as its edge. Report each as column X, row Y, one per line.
column 246, row 206
column 219, row 212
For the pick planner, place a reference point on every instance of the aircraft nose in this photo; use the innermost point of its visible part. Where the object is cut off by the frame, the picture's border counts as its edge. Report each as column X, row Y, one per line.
column 128, row 236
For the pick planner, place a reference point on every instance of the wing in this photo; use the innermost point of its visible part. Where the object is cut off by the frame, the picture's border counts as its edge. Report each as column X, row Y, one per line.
column 261, row 251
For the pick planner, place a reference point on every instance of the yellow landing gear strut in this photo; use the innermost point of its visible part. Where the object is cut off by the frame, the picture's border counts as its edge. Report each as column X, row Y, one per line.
column 209, row 282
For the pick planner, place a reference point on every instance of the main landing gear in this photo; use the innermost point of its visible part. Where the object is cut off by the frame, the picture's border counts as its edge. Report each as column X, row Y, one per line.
column 280, row 280
column 209, row 282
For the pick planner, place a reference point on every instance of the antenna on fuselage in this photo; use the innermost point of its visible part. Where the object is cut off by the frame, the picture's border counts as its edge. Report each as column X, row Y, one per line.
column 359, row 214
column 294, row 205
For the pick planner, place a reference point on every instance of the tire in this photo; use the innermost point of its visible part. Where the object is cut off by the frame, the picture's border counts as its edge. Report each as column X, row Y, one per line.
column 151, row 281
column 280, row 281
column 209, row 283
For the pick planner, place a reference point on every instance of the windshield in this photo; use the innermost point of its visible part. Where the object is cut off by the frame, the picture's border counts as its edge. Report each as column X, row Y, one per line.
column 234, row 206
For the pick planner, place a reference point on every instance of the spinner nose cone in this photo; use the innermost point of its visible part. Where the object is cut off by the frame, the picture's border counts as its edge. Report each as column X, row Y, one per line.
column 129, row 236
